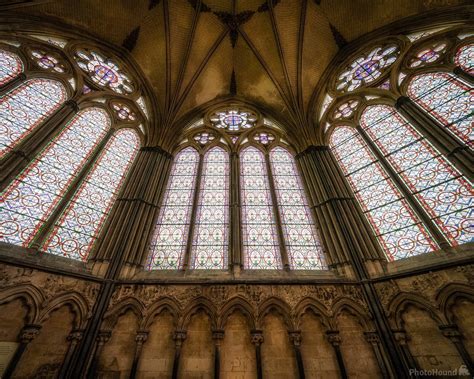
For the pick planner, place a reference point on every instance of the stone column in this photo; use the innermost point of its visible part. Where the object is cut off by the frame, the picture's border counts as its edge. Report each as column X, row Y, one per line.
column 295, row 338
column 437, row 134
column 140, row 339
column 217, row 337
column 73, row 338
column 344, row 230
column 236, row 260
column 23, row 153
column 179, row 337
column 402, row 339
column 335, row 340
column 257, row 340
column 27, row 334
column 102, row 339
column 374, row 340
column 12, row 84
column 128, row 232
column 452, row 333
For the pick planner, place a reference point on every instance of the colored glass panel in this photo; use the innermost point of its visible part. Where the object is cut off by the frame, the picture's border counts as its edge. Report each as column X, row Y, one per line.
column 437, row 185
column 211, row 233
column 448, row 100
column 10, row 66
column 78, row 227
column 398, row 229
column 303, row 246
column 465, row 58
column 30, row 199
column 260, row 241
column 171, row 233
column 24, row 108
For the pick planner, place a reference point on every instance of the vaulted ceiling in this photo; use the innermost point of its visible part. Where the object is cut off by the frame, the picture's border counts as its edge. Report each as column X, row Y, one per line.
column 269, row 52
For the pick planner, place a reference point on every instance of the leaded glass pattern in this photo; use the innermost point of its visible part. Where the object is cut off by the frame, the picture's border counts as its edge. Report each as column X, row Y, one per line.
column 443, row 192
column 396, row 226
column 304, row 249
column 78, row 227
column 211, row 233
column 260, row 240
column 24, row 108
column 171, row 233
column 448, row 100
column 10, row 66
column 31, row 198
column 465, row 58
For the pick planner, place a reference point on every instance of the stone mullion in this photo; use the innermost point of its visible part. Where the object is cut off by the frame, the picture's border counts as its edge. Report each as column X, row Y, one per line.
column 452, row 333
column 192, row 220
column 295, row 339
column 27, row 334
column 276, row 211
column 47, row 226
column 140, row 339
column 257, row 340
column 13, row 84
column 335, row 341
column 21, row 155
column 235, row 226
column 409, row 197
column 438, row 135
column 374, row 340
column 464, row 75
column 179, row 337
column 74, row 338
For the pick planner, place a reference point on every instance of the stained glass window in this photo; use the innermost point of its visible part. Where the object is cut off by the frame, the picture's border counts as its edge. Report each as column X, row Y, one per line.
column 10, row 66
column 211, row 233
column 24, row 108
column 171, row 233
column 428, row 55
column 79, row 225
column 397, row 227
column 260, row 242
column 233, row 120
column 446, row 99
column 30, row 199
column 304, row 249
column 443, row 192
column 48, row 61
column 465, row 58
column 346, row 109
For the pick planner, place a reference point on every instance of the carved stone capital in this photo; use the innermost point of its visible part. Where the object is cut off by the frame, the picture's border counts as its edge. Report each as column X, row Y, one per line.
column 257, row 337
column 333, row 337
column 401, row 337
column 29, row 333
column 103, row 337
column 141, row 337
column 295, row 337
column 179, row 337
column 452, row 332
column 75, row 336
column 217, row 336
column 372, row 338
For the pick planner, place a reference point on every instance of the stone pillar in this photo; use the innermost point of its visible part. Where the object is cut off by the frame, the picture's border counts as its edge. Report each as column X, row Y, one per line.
column 102, row 339
column 295, row 338
column 335, row 340
column 235, row 237
column 140, row 339
column 12, row 84
column 179, row 337
column 73, row 338
column 402, row 339
column 257, row 340
column 217, row 337
column 452, row 333
column 438, row 135
column 344, row 229
column 23, row 153
column 128, row 232
column 374, row 340
column 27, row 334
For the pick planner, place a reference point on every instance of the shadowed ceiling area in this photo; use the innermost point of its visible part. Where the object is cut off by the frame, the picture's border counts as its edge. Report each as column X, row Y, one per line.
column 271, row 53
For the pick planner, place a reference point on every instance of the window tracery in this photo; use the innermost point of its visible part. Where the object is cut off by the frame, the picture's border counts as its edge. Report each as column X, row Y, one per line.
column 10, row 66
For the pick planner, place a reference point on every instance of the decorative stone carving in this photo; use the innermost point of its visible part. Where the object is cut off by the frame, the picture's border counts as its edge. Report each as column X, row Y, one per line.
column 333, row 337
column 387, row 291
column 295, row 337
column 257, row 337
column 372, row 338
column 29, row 333
column 179, row 337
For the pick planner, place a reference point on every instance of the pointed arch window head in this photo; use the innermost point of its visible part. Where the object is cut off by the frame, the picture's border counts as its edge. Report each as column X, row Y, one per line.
column 233, row 120
column 171, row 233
column 34, row 195
column 465, row 58
column 260, row 240
column 446, row 99
column 26, row 107
column 211, row 234
column 78, row 227
column 10, row 66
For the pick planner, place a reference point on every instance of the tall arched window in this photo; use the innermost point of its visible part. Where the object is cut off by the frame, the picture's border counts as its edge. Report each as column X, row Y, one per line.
column 171, row 233
column 211, row 233
column 26, row 107
column 79, row 225
column 304, row 249
column 448, row 100
column 10, row 66
column 260, row 240
column 32, row 197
